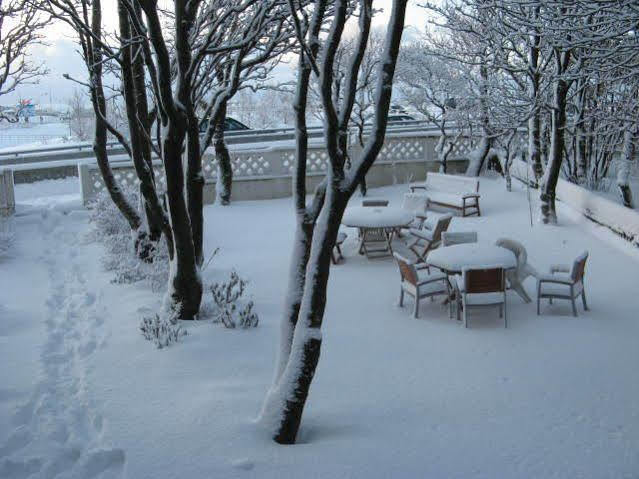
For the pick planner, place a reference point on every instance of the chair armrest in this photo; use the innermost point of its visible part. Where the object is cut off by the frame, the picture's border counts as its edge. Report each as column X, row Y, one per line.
column 417, row 186
column 421, row 234
column 421, row 216
column 559, row 268
column 420, row 266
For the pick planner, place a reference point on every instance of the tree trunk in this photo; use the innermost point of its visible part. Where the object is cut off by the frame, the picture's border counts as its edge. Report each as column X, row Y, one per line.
column 139, row 141
column 580, row 130
column 625, row 165
column 195, row 183
column 534, row 122
column 100, row 138
column 478, row 156
column 285, row 402
column 223, row 157
column 306, row 344
column 558, row 124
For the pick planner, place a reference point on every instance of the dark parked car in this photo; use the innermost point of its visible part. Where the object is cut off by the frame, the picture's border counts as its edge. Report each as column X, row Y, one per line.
column 230, row 124
column 397, row 118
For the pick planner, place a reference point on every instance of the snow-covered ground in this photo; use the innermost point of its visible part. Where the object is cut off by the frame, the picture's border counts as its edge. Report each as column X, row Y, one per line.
column 83, row 395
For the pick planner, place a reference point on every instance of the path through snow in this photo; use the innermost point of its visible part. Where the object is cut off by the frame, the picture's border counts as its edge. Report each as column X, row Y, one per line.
column 58, row 432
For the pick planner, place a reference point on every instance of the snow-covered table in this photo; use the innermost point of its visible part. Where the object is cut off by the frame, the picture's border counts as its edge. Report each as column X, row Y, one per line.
column 453, row 259
column 376, row 226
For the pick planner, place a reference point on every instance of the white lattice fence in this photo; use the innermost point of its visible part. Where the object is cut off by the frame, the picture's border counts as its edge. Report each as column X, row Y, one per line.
column 403, row 149
column 124, row 173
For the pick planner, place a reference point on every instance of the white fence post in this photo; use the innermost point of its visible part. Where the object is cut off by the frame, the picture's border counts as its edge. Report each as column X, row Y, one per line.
column 7, row 196
column 86, row 188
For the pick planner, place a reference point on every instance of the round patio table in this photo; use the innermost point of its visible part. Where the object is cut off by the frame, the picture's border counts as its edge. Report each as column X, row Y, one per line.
column 388, row 217
column 376, row 225
column 453, row 259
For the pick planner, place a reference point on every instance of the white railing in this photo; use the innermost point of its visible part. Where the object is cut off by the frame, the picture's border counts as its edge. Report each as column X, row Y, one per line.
column 272, row 164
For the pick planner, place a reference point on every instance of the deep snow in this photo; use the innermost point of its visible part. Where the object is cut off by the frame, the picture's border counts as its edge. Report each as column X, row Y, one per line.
column 82, row 393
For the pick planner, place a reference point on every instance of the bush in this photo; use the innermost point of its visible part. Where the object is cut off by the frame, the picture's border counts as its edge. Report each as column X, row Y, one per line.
column 111, row 229
column 226, row 296
column 161, row 330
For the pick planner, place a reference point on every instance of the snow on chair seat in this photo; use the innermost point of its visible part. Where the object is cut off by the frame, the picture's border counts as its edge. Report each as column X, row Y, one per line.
column 564, row 282
column 451, row 191
column 419, row 283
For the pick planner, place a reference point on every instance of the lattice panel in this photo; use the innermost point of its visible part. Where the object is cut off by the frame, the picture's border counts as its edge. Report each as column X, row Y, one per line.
column 401, row 149
column 252, row 164
column 462, row 147
column 126, row 177
column 243, row 164
column 316, row 161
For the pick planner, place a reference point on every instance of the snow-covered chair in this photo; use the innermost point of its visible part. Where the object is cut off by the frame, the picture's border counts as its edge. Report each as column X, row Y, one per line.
column 419, row 283
column 417, row 204
column 564, row 282
column 450, row 238
column 422, row 241
column 336, row 254
column 481, row 287
column 517, row 276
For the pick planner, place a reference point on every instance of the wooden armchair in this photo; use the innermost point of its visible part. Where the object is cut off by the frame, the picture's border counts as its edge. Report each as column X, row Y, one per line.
column 481, row 287
column 419, row 283
column 564, row 282
column 422, row 241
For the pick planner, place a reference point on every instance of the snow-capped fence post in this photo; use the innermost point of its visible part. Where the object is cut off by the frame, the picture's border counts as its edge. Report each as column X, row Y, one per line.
column 87, row 192
column 7, row 197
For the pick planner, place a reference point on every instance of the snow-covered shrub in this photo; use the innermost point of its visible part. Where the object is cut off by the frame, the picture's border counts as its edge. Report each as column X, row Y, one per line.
column 121, row 257
column 105, row 215
column 162, row 330
column 226, row 306
column 7, row 236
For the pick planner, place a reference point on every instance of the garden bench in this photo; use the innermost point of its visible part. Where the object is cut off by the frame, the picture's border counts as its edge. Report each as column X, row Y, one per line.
column 451, row 191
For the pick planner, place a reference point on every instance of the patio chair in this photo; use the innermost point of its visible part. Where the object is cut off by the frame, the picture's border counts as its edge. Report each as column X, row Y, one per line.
column 419, row 283
column 450, row 238
column 417, row 204
column 517, row 276
column 481, row 287
column 424, row 240
column 564, row 282
column 336, row 254
column 375, row 203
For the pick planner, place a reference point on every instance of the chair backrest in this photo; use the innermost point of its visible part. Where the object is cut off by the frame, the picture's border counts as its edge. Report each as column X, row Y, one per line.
column 415, row 202
column 375, row 202
column 451, row 183
column 442, row 225
column 458, row 237
column 406, row 269
column 483, row 280
column 579, row 267
column 517, row 248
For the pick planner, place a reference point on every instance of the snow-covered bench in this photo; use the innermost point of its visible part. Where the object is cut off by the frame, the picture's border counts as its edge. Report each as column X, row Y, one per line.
column 457, row 192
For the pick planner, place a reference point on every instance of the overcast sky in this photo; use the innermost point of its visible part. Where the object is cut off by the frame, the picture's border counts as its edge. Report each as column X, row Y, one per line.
column 60, row 55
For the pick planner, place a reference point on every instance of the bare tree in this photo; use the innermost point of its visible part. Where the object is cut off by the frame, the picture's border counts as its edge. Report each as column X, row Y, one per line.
column 436, row 88
column 21, row 26
column 318, row 223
